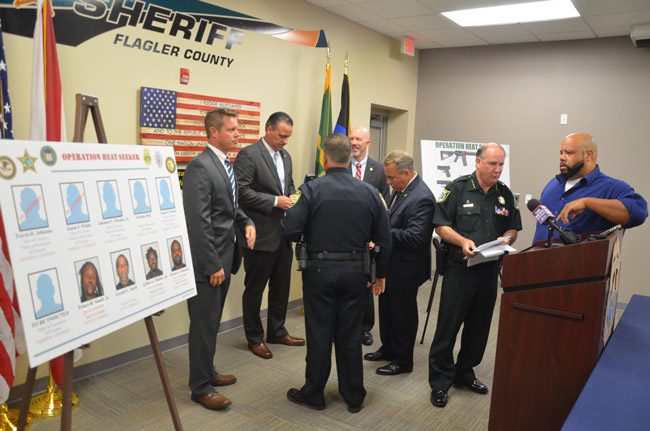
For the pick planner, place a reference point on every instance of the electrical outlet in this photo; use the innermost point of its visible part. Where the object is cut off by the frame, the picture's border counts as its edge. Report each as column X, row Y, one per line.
column 564, row 118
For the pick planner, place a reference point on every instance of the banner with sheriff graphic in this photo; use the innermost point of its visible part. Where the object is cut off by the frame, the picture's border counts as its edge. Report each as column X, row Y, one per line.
column 97, row 239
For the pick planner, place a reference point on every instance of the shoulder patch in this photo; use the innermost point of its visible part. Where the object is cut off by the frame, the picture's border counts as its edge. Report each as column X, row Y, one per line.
column 443, row 195
column 294, row 198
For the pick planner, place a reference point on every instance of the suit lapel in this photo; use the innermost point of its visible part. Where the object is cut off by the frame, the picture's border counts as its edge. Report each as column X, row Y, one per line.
column 405, row 194
column 270, row 163
column 222, row 172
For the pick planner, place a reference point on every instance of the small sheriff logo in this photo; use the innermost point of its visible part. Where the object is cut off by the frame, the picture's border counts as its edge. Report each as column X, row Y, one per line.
column 29, row 162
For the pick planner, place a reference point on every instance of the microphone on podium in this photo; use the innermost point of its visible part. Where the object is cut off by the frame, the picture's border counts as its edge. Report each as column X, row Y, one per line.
column 544, row 216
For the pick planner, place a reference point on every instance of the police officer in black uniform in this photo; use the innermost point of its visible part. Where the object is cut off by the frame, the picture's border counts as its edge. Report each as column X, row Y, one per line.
column 337, row 216
column 472, row 210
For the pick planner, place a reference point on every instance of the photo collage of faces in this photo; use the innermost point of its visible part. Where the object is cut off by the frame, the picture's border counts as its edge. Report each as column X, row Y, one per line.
column 45, row 286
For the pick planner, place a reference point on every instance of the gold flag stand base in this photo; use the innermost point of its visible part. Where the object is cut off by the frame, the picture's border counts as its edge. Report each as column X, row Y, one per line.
column 9, row 417
column 50, row 403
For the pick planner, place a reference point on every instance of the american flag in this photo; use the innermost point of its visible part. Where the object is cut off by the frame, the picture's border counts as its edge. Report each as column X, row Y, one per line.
column 174, row 118
column 12, row 340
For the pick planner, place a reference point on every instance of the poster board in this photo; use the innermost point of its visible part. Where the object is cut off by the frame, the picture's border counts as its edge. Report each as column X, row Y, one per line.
column 97, row 239
column 444, row 161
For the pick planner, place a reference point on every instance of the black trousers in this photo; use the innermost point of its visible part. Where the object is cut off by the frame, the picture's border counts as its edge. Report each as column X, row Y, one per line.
column 398, row 323
column 334, row 297
column 205, row 311
column 369, row 313
column 467, row 298
column 264, row 267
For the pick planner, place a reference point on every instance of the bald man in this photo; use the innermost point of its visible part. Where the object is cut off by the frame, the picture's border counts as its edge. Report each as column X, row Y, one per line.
column 370, row 171
column 584, row 199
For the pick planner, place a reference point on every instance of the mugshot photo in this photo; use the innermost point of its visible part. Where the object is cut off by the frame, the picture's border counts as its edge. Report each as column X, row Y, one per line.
column 176, row 252
column 46, row 292
column 165, row 194
column 122, row 270
column 140, row 196
column 109, row 199
column 30, row 207
column 73, row 196
column 151, row 257
column 89, row 279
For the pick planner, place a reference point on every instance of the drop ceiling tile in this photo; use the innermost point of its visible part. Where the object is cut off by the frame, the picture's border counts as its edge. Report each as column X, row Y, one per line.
column 396, row 9
column 424, row 22
column 353, row 13
column 572, row 35
column 602, row 7
column 384, row 26
column 462, row 42
column 327, row 3
column 499, row 31
column 618, row 20
column 448, row 34
column 559, row 26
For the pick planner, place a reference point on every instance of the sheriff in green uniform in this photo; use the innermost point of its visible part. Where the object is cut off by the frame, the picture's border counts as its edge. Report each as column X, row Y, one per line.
column 472, row 210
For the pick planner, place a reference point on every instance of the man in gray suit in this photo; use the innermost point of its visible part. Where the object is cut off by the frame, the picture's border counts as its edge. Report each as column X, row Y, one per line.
column 370, row 171
column 264, row 176
column 213, row 219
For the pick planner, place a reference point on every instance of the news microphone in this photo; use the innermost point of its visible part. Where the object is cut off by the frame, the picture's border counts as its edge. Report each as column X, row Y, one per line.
column 544, row 216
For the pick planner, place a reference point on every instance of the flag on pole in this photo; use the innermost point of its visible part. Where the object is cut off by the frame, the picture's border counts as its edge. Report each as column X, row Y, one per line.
column 343, row 122
column 325, row 127
column 12, row 339
column 47, row 121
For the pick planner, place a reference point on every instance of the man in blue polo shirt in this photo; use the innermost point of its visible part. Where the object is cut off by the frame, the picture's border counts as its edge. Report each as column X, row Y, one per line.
column 585, row 199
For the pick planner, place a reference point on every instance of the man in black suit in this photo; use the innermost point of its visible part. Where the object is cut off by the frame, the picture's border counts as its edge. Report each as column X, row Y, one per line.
column 264, row 175
column 362, row 167
column 411, row 209
column 212, row 216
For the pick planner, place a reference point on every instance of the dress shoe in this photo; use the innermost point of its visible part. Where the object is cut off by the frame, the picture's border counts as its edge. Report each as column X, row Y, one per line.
column 376, row 356
column 439, row 398
column 212, row 401
column 287, row 340
column 261, row 350
column 366, row 338
column 475, row 386
column 393, row 369
column 223, row 380
column 295, row 396
column 354, row 409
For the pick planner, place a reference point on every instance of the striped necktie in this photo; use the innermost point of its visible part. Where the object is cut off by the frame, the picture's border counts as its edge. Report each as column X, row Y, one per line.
column 357, row 174
column 231, row 177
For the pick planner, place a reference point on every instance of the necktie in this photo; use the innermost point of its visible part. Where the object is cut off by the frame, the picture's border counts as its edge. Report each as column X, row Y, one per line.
column 394, row 199
column 357, row 174
column 231, row 177
column 279, row 167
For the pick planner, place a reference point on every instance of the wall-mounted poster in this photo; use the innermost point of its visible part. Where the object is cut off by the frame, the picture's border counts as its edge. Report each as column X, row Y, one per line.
column 175, row 119
column 96, row 237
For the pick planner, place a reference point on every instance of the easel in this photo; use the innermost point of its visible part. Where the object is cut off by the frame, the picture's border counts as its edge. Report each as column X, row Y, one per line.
column 436, row 274
column 85, row 104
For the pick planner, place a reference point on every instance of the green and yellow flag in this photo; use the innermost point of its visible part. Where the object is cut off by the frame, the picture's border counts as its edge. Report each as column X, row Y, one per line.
column 325, row 127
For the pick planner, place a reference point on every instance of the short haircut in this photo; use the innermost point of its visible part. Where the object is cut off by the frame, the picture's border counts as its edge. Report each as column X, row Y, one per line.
column 480, row 153
column 153, row 251
column 277, row 118
column 337, row 148
column 214, row 118
column 177, row 243
column 401, row 159
column 118, row 259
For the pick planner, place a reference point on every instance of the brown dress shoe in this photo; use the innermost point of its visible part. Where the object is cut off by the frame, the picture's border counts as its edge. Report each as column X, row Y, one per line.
column 223, row 380
column 287, row 340
column 212, row 401
column 261, row 350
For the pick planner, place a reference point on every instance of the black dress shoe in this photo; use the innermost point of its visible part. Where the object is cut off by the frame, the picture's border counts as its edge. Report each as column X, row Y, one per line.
column 366, row 338
column 295, row 396
column 474, row 386
column 393, row 369
column 354, row 409
column 439, row 398
column 377, row 356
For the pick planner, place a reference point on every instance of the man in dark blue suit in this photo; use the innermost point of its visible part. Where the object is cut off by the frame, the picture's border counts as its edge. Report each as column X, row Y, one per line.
column 370, row 171
column 411, row 209
column 213, row 220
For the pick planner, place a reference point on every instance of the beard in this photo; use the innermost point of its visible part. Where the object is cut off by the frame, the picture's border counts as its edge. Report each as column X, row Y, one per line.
column 573, row 170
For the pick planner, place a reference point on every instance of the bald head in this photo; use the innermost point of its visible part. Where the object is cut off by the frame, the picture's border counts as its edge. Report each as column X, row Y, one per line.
column 360, row 141
column 578, row 155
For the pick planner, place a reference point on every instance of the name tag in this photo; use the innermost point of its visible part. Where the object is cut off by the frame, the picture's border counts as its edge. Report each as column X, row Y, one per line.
column 468, row 205
column 501, row 211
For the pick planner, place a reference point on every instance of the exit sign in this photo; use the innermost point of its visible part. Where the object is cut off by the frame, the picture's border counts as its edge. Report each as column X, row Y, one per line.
column 408, row 46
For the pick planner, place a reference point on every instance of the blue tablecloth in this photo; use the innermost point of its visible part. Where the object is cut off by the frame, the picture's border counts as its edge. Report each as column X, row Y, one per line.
column 617, row 394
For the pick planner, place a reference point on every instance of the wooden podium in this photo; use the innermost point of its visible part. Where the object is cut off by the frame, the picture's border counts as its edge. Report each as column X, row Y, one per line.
column 557, row 313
